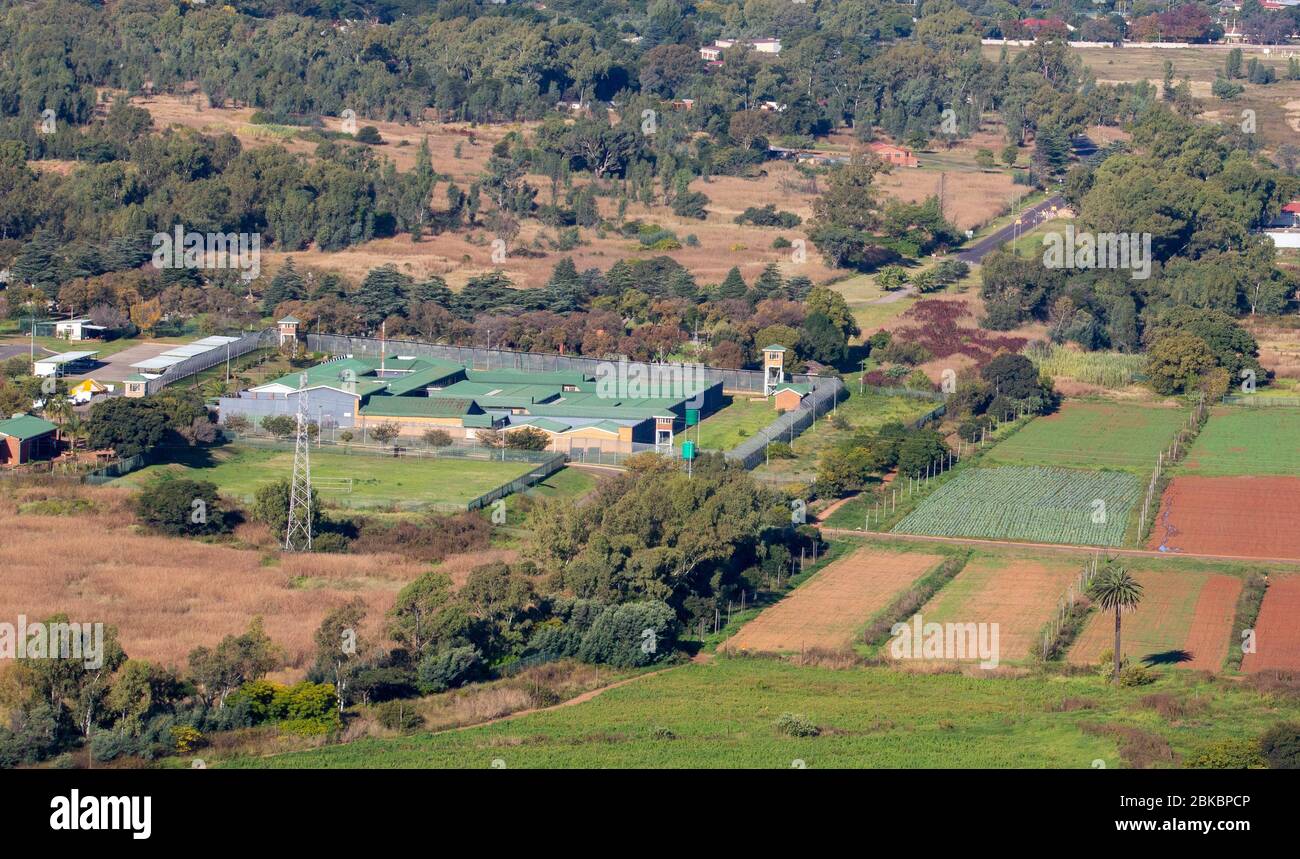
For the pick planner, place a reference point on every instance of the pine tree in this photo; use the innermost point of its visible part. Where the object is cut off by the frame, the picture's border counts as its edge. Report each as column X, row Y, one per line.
column 733, row 285
column 287, row 285
column 382, row 294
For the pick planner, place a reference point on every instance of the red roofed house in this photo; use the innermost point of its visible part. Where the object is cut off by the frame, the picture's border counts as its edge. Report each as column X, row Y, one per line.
column 896, row 155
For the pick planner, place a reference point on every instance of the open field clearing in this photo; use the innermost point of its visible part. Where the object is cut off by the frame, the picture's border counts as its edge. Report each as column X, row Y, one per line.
column 1242, row 440
column 351, row 479
column 167, row 596
column 739, row 419
column 723, row 714
column 1237, row 516
column 864, row 412
column 1277, row 629
column 1018, row 595
column 1184, row 619
column 1046, row 505
column 1279, row 350
column 1093, row 435
column 829, row 608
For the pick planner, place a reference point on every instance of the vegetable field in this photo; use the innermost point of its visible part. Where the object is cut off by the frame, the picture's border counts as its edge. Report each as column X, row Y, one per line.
column 1045, row 505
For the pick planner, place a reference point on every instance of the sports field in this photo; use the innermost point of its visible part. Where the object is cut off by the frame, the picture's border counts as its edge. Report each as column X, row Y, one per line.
column 723, row 714
column 1183, row 620
column 1092, row 435
column 825, row 611
column 1250, row 517
column 375, row 481
column 1277, row 634
column 1247, row 440
column 1018, row 595
column 1048, row 505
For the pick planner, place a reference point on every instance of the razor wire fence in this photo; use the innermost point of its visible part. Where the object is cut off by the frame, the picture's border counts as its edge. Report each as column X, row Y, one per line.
column 820, row 401
column 207, row 360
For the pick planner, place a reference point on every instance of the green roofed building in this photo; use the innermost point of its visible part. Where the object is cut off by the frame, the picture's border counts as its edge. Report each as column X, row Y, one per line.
column 24, row 438
column 578, row 411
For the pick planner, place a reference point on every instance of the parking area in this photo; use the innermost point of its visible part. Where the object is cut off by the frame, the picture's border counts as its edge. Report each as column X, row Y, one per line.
column 116, row 367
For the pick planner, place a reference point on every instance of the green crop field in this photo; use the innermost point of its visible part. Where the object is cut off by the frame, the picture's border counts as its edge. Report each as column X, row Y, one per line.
column 377, row 481
column 1247, row 440
column 1046, row 505
column 723, row 714
column 1093, row 435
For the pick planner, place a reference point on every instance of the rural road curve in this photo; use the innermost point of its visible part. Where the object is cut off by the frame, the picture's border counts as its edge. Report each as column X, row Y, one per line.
column 1030, row 218
column 1055, row 547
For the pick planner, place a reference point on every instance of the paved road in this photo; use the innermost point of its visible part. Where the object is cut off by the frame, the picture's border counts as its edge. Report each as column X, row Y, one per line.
column 1029, row 218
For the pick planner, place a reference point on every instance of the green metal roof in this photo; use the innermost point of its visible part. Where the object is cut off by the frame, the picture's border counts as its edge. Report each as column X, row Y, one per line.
column 545, row 423
column 528, row 377
column 25, row 427
column 422, row 378
column 484, row 420
column 422, row 407
column 775, row 347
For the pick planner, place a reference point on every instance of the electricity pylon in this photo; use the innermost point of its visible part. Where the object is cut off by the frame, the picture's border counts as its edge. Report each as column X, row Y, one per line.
column 297, row 536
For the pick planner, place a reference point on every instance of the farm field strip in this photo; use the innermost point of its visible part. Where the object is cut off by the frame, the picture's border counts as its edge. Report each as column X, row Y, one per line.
column 1246, row 440
column 1092, row 435
column 1049, row 505
column 1184, row 619
column 1019, row 596
column 827, row 610
column 1239, row 516
column 1277, row 633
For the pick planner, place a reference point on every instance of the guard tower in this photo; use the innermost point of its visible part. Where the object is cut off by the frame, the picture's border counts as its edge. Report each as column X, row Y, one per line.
column 664, row 433
column 773, row 368
column 288, row 327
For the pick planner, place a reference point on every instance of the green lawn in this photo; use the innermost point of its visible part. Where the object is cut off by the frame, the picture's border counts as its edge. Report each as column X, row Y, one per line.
column 377, row 481
column 1247, row 440
column 565, row 483
column 732, row 424
column 1093, row 435
column 723, row 714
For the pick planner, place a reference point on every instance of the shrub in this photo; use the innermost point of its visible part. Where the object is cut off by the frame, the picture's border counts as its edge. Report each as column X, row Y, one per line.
column 237, row 423
column 1136, row 674
column 448, row 669
column 398, row 716
column 437, row 438
column 795, row 725
column 780, row 450
column 187, row 738
column 370, row 135
column 528, row 438
column 182, row 507
column 1280, row 746
column 280, row 426
column 1231, row 754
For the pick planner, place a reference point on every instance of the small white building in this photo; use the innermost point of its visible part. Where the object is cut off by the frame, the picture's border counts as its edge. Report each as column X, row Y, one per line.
column 80, row 328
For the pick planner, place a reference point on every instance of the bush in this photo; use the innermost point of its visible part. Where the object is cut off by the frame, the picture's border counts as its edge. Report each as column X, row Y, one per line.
column 795, row 725
column 1280, row 746
column 180, row 506
column 280, row 426
column 528, row 438
column 437, row 438
column 448, row 669
column 370, row 135
column 398, row 716
column 1136, row 674
column 237, row 423
column 780, row 450
column 1232, row 754
column 330, row 542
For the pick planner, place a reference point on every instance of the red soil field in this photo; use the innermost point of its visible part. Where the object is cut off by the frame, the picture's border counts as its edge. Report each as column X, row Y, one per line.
column 830, row 607
column 1277, row 634
column 1184, row 620
column 1239, row 516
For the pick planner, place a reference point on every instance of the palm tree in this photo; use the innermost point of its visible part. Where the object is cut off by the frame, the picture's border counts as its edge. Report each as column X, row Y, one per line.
column 1114, row 589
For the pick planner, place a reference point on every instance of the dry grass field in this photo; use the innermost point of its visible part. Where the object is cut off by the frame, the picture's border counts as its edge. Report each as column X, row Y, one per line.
column 168, row 595
column 829, row 608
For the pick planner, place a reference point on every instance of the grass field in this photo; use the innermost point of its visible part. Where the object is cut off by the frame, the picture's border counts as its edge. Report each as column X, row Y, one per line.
column 1184, row 619
column 1247, row 440
column 860, row 412
column 739, row 419
column 1049, row 505
column 1092, row 435
column 377, row 481
column 565, row 483
column 723, row 714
